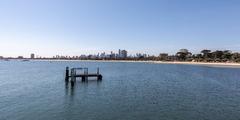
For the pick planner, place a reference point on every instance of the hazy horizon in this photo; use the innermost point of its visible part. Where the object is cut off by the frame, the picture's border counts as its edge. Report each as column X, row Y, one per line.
column 61, row 27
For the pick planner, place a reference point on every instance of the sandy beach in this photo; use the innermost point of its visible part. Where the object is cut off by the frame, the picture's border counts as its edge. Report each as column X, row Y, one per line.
column 225, row 65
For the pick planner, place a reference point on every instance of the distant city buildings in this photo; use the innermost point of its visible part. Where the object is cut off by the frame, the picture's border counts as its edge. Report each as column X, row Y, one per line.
column 140, row 55
column 32, row 56
column 122, row 53
column 20, row 57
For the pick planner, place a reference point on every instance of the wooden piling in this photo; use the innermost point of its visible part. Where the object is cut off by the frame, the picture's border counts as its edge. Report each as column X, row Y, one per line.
column 72, row 83
column 83, row 78
column 67, row 74
column 72, row 75
column 99, row 77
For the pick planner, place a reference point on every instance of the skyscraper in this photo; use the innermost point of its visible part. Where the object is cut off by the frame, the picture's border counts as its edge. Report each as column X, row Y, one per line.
column 32, row 56
column 122, row 53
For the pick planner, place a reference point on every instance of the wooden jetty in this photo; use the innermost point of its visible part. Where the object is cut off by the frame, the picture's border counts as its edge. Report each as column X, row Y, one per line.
column 81, row 73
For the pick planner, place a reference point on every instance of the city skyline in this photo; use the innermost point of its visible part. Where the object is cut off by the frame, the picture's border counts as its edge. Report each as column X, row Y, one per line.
column 183, row 55
column 76, row 27
column 120, row 53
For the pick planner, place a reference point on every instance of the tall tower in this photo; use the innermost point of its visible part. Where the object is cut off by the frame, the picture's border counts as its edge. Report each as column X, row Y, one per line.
column 32, row 56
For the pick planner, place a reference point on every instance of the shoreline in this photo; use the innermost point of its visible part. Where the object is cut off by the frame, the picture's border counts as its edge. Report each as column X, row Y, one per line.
column 208, row 64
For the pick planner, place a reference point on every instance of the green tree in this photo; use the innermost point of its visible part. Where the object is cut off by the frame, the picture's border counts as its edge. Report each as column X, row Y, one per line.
column 206, row 53
column 235, row 57
column 227, row 55
column 183, row 54
column 217, row 55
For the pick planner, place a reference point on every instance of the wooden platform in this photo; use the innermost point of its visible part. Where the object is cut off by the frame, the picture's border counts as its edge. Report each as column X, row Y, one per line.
column 88, row 75
column 81, row 73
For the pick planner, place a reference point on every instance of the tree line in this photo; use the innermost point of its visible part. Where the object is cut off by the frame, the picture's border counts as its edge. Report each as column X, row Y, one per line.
column 204, row 56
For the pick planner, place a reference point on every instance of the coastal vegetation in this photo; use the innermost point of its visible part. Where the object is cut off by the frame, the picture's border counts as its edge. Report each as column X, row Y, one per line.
column 203, row 56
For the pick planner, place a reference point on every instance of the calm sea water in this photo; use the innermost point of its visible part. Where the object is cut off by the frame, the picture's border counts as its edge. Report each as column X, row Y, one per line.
column 36, row 90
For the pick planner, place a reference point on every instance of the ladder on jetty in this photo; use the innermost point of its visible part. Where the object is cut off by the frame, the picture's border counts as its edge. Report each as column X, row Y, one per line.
column 81, row 73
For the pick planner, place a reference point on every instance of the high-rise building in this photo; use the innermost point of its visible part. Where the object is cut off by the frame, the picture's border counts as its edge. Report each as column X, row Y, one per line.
column 122, row 53
column 32, row 56
column 119, row 52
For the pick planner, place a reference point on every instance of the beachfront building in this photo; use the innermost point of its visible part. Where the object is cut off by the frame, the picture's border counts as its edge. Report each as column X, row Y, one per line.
column 163, row 56
column 183, row 54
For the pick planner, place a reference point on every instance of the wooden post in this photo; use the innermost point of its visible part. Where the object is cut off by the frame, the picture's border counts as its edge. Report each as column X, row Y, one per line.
column 75, row 73
column 72, row 75
column 98, row 70
column 99, row 77
column 67, row 74
column 72, row 83
column 83, row 78
column 87, row 75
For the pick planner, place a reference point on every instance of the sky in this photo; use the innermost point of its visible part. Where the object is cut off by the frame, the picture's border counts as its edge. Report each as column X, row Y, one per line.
column 75, row 27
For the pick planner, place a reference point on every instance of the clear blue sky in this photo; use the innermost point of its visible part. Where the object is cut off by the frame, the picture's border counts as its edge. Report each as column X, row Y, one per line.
column 74, row 27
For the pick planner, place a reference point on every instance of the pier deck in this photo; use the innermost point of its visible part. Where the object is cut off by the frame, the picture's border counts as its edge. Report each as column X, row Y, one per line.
column 87, row 75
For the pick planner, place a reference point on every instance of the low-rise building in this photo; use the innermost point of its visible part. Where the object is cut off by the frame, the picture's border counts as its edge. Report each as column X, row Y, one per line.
column 163, row 56
column 20, row 57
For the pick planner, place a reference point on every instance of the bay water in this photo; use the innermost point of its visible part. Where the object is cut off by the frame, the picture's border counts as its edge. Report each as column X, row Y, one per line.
column 36, row 90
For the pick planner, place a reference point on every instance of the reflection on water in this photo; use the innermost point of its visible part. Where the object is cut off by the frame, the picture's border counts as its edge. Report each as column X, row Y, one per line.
column 69, row 88
column 71, row 85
